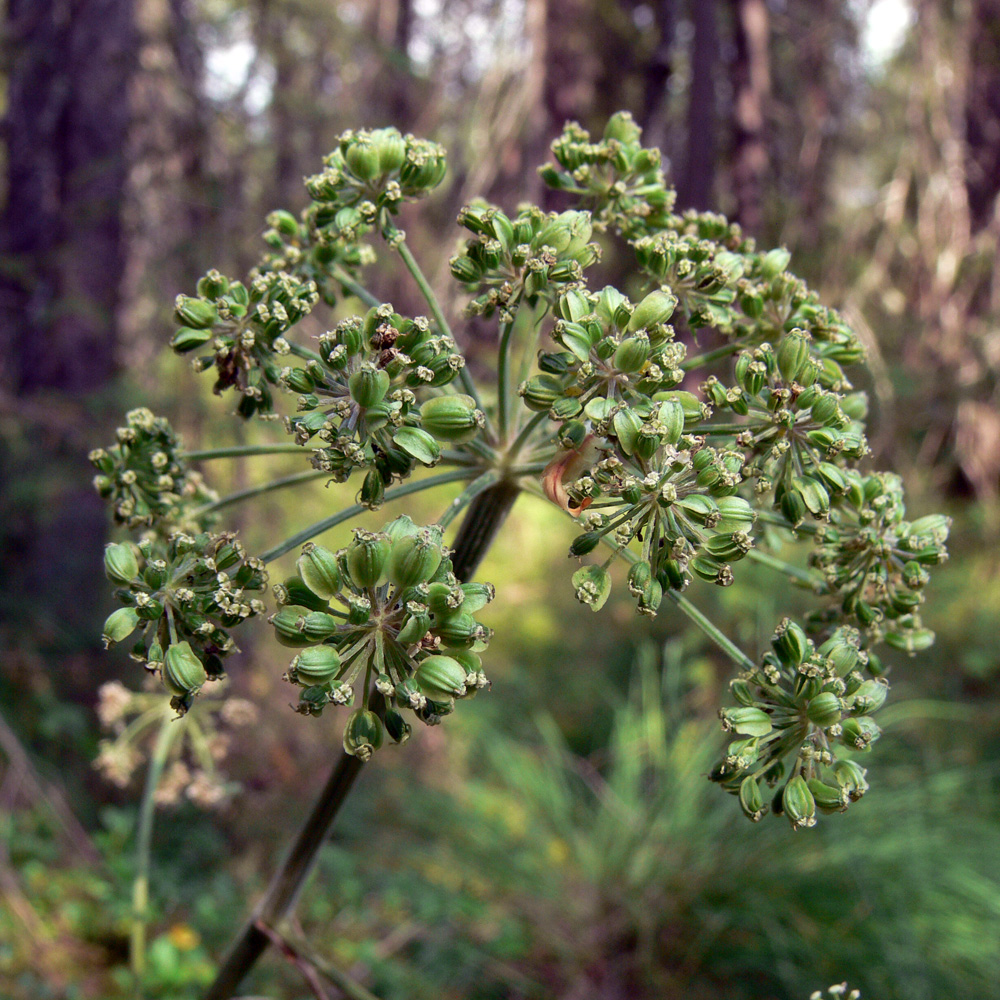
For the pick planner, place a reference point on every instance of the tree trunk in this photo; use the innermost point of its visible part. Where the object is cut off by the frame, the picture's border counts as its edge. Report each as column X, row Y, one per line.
column 697, row 183
column 62, row 254
column 752, row 83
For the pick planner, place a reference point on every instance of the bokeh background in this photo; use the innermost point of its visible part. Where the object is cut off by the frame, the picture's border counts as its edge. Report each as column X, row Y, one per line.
column 558, row 838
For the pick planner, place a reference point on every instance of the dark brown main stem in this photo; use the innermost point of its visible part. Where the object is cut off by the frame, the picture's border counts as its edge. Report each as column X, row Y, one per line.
column 482, row 521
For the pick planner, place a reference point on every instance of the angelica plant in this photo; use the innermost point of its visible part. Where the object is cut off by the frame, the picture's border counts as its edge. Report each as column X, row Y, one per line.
column 699, row 421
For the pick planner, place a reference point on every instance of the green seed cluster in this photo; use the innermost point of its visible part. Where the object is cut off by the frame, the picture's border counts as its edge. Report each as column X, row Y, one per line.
column 796, row 715
column 185, row 593
column 532, row 257
column 244, row 328
column 370, row 175
column 312, row 249
column 358, row 400
column 143, row 475
column 613, row 352
column 386, row 611
column 616, row 179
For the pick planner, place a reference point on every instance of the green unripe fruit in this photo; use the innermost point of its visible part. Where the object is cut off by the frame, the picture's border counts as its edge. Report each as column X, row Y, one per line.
column 440, row 678
column 363, row 158
column 372, row 493
column 299, row 380
column 391, row 149
column 182, row 672
column 297, row 626
column 120, row 625
column 363, row 734
column 828, row 799
column 622, row 127
column 746, row 720
column 445, row 601
column 798, row 803
column 120, row 563
column 640, row 575
column 631, row 354
column 414, row 629
column 793, row 353
column 790, row 643
column 851, row 777
column 464, row 269
column 284, row 222
column 368, row 385
column 318, row 568
column 451, row 418
column 593, row 586
column 461, row 631
column 317, row 665
column 585, row 543
column 773, row 263
column 188, row 339
column 477, row 596
column 824, row 710
column 657, row 307
column 366, row 557
column 398, row 729
column 870, row 697
column 860, row 733
column 294, row 591
column 418, row 444
column 751, row 800
column 195, row 313
column 413, row 559
column 541, row 391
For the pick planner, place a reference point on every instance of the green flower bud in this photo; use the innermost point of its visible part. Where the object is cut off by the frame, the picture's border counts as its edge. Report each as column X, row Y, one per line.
column 318, row 568
column 657, row 307
column 798, row 803
column 413, row 559
column 317, row 665
column 593, row 586
column 120, row 563
column 440, row 678
column 368, row 385
column 363, row 734
column 182, row 672
column 451, row 418
column 631, row 354
column 195, row 313
column 824, row 710
column 746, row 720
column 751, row 800
column 366, row 557
column 120, row 625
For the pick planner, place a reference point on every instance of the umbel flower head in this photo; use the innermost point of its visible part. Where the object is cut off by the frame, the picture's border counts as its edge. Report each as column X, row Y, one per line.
column 183, row 594
column 385, row 626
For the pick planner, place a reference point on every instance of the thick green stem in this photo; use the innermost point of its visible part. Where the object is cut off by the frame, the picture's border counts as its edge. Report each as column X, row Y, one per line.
column 244, row 450
column 415, row 486
column 256, row 491
column 485, row 515
column 170, row 728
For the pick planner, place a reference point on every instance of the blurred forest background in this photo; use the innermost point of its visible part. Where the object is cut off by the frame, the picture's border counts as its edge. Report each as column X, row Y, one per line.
column 558, row 839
